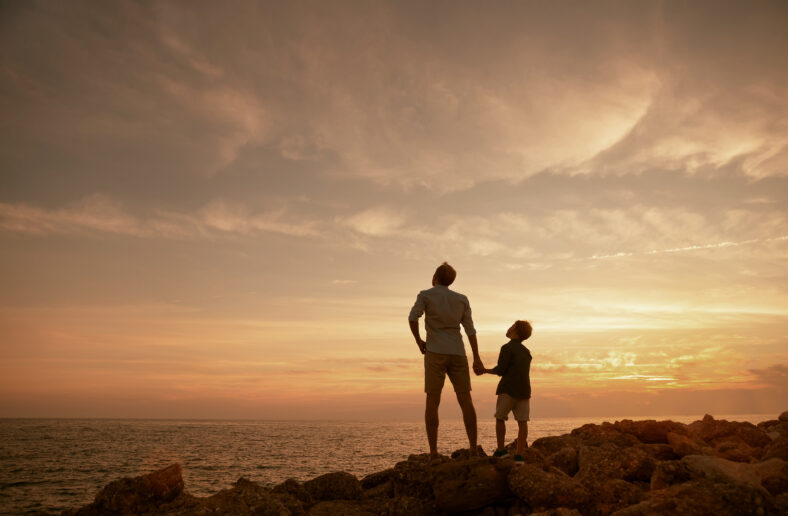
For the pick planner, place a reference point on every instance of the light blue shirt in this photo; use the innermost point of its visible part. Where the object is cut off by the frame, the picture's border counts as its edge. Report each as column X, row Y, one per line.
column 445, row 310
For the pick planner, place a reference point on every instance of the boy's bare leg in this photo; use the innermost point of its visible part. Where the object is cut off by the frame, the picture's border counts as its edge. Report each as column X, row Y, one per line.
column 522, row 437
column 469, row 418
column 431, row 422
column 500, row 433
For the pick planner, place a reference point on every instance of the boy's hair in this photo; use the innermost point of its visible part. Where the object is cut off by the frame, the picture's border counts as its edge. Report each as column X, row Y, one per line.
column 445, row 274
column 523, row 329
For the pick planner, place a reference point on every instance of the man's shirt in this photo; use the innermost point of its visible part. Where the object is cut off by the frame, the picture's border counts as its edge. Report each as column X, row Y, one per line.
column 445, row 310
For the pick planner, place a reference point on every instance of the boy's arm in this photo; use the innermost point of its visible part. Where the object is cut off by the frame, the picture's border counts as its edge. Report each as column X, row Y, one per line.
column 504, row 360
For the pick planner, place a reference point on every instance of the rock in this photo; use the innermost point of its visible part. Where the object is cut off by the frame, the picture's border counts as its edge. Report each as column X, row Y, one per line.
column 683, row 444
column 701, row 498
column 295, row 489
column 544, row 487
column 783, row 416
column 470, row 484
column 552, row 444
column 564, row 459
column 137, row 495
column 714, row 431
column 335, row 486
column 349, row 508
column 777, row 448
column 465, row 453
column 413, row 477
column 606, row 433
column 668, row 473
column 597, row 463
column 249, row 498
column 560, row 511
column 650, row 431
column 376, row 479
column 408, row 506
column 721, row 470
column 658, row 451
column 612, row 495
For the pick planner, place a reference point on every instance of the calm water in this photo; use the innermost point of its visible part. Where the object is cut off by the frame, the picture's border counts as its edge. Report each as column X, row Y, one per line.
column 55, row 464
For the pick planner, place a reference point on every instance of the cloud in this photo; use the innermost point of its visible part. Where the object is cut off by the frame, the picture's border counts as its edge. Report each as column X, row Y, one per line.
column 99, row 214
column 376, row 222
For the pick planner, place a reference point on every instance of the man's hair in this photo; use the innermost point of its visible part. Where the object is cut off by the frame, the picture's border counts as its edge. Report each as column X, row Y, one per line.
column 445, row 274
column 523, row 329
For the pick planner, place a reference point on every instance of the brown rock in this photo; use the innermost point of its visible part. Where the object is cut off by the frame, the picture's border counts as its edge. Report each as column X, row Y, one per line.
column 606, row 433
column 783, row 416
column 408, row 506
column 413, row 477
column 714, row 431
column 596, row 463
column 776, row 449
column 470, row 484
column 349, row 508
column 650, row 431
column 560, row 511
column 683, row 444
column 543, row 487
column 658, row 451
column 722, row 470
column 552, row 444
column 465, row 453
column 564, row 459
column 292, row 487
column 612, row 495
column 137, row 495
column 701, row 498
column 668, row 473
column 335, row 486
column 375, row 479
column 248, row 498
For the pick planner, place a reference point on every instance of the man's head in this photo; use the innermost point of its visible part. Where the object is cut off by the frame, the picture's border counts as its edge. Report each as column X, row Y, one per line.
column 520, row 330
column 444, row 275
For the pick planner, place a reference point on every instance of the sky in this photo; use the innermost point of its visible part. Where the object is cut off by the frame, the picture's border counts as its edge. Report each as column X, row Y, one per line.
column 226, row 210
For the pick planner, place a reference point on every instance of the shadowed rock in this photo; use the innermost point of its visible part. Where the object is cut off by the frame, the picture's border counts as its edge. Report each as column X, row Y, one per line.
column 335, row 486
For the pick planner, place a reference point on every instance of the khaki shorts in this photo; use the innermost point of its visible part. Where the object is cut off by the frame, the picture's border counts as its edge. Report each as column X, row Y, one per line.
column 438, row 365
column 521, row 407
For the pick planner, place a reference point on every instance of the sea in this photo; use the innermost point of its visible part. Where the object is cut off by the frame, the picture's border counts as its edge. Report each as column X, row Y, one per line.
column 49, row 465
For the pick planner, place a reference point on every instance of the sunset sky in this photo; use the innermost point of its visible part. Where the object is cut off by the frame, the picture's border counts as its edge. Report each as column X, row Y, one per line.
column 226, row 209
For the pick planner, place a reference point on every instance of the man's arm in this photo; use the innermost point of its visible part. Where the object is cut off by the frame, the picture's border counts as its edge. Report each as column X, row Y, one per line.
column 414, row 329
column 478, row 366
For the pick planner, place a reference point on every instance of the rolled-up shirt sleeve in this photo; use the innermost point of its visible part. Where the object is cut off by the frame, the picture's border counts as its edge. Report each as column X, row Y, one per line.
column 418, row 308
column 467, row 320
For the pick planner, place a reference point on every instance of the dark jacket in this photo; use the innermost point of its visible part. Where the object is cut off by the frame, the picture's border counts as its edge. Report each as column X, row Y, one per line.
column 514, row 365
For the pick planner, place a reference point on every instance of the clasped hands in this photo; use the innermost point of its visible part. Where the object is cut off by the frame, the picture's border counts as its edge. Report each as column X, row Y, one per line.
column 478, row 367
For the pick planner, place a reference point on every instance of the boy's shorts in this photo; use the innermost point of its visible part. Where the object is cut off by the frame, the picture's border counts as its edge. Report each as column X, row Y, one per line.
column 521, row 407
column 438, row 365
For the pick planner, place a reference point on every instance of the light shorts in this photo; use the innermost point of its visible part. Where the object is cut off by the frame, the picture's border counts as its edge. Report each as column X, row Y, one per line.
column 438, row 365
column 521, row 407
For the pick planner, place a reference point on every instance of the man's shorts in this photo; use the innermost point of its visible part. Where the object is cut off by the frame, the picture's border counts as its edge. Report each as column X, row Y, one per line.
column 438, row 365
column 521, row 407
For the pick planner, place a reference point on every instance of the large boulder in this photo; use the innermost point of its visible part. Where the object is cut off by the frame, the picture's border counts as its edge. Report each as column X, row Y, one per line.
column 554, row 443
column 683, row 444
column 137, row 495
column 335, row 486
column 413, row 477
column 596, row 463
column 245, row 498
column 704, row 497
column 470, row 484
column 545, row 487
column 606, row 433
column 714, row 431
column 564, row 459
column 722, row 470
column 649, row 430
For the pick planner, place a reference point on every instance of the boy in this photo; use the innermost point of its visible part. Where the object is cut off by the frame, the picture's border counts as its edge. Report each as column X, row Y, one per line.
column 514, row 389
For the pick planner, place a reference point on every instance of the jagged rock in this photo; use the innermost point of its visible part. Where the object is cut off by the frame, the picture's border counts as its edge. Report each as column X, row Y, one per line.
column 375, row 479
column 607, row 462
column 668, row 473
column 554, row 443
column 683, row 444
column 658, row 451
column 714, row 431
column 137, row 495
column 650, row 430
column 722, row 470
column 295, row 489
column 413, row 477
column 606, row 433
column 564, row 459
column 543, row 487
column 335, row 486
column 249, row 498
column 783, row 416
column 611, row 495
column 701, row 498
column 778, row 448
column 465, row 453
column 470, row 484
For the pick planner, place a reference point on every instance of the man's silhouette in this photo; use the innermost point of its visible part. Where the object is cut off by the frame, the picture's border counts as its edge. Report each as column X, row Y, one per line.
column 444, row 351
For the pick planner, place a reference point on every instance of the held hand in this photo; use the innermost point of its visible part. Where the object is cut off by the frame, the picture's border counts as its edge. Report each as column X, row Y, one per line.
column 422, row 346
column 478, row 367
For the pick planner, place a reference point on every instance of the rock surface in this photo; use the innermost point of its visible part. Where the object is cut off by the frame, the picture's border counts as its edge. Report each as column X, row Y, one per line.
column 626, row 468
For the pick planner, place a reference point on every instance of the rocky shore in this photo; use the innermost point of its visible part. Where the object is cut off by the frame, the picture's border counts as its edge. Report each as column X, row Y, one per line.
column 626, row 468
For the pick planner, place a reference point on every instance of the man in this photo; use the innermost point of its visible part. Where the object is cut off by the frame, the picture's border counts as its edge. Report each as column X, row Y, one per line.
column 444, row 351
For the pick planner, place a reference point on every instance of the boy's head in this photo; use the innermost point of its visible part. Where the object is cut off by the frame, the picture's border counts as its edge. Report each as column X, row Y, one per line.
column 520, row 330
column 444, row 275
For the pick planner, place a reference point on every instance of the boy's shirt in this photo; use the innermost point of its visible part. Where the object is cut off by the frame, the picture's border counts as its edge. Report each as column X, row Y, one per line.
column 514, row 366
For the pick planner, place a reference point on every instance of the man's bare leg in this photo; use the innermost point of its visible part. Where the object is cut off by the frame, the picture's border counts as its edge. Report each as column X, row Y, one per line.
column 522, row 437
column 469, row 418
column 431, row 421
column 500, row 433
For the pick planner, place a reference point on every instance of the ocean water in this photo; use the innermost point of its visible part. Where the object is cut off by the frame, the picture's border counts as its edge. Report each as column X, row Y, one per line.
column 55, row 464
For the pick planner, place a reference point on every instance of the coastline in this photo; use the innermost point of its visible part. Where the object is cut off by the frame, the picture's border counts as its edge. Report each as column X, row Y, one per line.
column 624, row 468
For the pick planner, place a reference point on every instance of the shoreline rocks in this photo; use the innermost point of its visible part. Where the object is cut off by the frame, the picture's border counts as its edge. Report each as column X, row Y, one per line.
column 626, row 468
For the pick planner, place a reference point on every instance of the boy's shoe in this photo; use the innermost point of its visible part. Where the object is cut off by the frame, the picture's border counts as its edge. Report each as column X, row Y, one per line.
column 501, row 454
column 519, row 460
